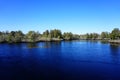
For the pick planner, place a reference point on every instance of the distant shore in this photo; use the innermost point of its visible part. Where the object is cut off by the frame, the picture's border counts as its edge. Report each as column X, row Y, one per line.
column 40, row 40
column 114, row 41
column 59, row 40
column 57, row 35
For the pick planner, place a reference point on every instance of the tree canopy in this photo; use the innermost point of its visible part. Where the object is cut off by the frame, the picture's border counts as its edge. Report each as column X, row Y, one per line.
column 115, row 34
column 56, row 34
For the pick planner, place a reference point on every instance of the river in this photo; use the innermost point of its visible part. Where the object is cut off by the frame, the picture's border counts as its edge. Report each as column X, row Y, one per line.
column 65, row 60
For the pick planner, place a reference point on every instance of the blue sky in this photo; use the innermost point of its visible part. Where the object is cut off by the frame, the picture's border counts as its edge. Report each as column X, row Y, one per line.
column 77, row 16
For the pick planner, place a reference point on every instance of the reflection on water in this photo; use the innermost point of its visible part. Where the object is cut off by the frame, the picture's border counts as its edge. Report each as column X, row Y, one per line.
column 66, row 60
column 114, row 51
column 93, row 41
column 42, row 44
column 104, row 42
column 115, row 44
column 32, row 45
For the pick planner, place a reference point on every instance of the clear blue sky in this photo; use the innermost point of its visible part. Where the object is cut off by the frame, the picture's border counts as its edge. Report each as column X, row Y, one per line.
column 77, row 16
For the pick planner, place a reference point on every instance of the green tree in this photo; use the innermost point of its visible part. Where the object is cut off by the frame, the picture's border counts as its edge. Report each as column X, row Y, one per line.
column 46, row 33
column 95, row 36
column 10, row 37
column 76, row 36
column 55, row 33
column 32, row 36
column 87, row 36
column 115, row 34
column 18, row 36
column 2, row 37
column 104, row 35
column 68, row 36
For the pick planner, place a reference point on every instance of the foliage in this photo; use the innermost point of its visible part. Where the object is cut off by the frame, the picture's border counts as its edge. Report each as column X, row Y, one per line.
column 56, row 34
column 46, row 33
column 91, row 36
column 105, row 35
column 68, row 36
column 32, row 36
column 115, row 34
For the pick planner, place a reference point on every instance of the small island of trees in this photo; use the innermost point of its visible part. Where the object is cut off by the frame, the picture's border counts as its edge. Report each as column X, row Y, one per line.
column 56, row 35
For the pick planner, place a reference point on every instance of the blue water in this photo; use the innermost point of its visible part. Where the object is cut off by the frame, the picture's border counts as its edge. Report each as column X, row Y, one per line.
column 66, row 60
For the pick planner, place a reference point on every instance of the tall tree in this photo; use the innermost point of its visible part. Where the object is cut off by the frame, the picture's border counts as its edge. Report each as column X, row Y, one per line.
column 18, row 36
column 68, row 36
column 104, row 35
column 31, row 36
column 55, row 33
column 115, row 34
column 46, row 33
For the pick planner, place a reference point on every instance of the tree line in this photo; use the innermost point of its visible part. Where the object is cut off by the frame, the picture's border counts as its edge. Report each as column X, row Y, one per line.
column 55, row 35
column 113, row 35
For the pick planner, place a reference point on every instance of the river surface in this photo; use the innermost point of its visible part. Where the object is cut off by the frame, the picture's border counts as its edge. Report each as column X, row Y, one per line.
column 66, row 60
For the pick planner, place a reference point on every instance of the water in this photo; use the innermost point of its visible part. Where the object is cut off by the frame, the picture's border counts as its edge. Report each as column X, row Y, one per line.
column 67, row 60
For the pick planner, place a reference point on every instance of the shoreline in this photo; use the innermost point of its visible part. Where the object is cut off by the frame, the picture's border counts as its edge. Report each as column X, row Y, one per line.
column 114, row 41
column 59, row 40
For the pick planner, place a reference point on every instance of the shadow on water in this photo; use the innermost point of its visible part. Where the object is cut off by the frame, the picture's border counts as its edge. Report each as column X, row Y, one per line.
column 32, row 45
column 55, row 61
column 42, row 44
column 114, row 50
column 104, row 42
column 45, row 62
column 93, row 41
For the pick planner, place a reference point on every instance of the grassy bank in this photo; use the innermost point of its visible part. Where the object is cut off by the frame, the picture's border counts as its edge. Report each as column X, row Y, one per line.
column 114, row 41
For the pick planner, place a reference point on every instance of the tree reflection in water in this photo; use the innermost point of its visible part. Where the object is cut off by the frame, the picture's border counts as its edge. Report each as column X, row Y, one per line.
column 114, row 49
column 32, row 45
column 42, row 44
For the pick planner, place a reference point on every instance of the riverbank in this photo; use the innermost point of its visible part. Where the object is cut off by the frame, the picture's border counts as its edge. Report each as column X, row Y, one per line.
column 105, row 40
column 35, row 41
column 115, row 41
column 56, row 40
